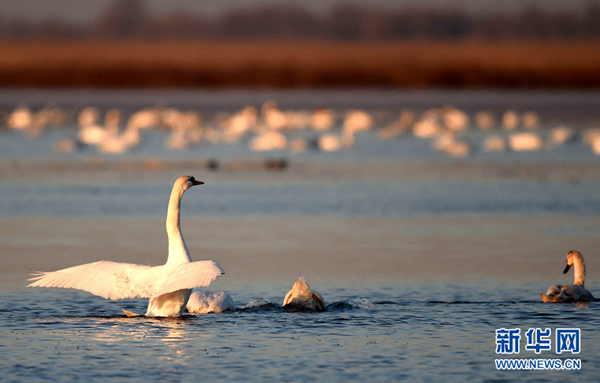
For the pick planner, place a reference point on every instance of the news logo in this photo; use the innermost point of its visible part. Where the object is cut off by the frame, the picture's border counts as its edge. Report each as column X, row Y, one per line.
column 566, row 340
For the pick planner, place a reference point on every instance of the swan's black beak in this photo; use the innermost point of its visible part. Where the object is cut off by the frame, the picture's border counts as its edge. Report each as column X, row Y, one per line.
column 197, row 182
column 566, row 268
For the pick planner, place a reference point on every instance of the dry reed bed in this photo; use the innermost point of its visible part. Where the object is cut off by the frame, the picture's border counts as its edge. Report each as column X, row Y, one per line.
column 566, row 64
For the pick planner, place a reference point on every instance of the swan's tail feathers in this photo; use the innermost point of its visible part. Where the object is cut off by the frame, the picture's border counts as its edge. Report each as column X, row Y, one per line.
column 548, row 299
column 551, row 299
column 129, row 314
column 302, row 298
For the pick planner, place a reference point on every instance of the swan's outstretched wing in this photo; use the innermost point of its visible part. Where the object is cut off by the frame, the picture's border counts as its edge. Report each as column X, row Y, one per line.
column 111, row 280
column 189, row 276
column 116, row 280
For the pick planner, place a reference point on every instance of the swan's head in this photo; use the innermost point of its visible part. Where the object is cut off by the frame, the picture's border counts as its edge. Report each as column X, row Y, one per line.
column 185, row 182
column 571, row 257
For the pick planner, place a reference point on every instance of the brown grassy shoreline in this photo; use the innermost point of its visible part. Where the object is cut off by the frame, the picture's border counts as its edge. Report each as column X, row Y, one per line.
column 467, row 64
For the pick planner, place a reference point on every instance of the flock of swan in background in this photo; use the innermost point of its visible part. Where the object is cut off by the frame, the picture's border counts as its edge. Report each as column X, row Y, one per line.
column 270, row 129
column 173, row 288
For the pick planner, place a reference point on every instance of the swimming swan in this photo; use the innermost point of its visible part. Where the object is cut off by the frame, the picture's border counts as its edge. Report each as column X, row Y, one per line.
column 570, row 293
column 168, row 286
column 302, row 297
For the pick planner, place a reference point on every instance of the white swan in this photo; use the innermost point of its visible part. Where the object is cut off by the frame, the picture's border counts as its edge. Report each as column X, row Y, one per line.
column 201, row 302
column 531, row 120
column 268, row 141
column 322, row 119
column 510, row 120
column 20, row 119
column 356, row 121
column 302, row 297
column 561, row 135
column 525, row 142
column 570, row 293
column 455, row 120
column 329, row 143
column 448, row 143
column 90, row 133
column 168, row 286
column 114, row 142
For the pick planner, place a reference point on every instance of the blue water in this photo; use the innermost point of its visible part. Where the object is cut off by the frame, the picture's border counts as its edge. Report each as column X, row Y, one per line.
column 406, row 335
column 339, row 199
column 435, row 330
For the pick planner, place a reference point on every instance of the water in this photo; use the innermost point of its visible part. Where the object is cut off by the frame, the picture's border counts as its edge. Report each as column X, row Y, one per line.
column 344, row 199
column 71, row 336
column 419, row 257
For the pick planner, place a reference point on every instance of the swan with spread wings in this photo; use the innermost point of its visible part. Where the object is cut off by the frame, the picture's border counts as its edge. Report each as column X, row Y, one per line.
column 168, row 286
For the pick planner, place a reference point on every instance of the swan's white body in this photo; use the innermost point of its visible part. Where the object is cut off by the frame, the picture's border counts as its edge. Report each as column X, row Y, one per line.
column 356, row 121
column 525, row 142
column 20, row 119
column 570, row 293
column 302, row 297
column 329, row 143
column 202, row 302
column 168, row 286
column 272, row 140
column 91, row 134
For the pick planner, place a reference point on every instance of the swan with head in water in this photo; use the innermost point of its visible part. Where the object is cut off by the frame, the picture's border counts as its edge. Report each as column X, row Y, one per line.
column 570, row 293
column 302, row 298
column 168, row 286
column 204, row 302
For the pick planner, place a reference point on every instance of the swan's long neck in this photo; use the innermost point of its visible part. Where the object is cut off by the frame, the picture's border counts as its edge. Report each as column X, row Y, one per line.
column 579, row 271
column 178, row 251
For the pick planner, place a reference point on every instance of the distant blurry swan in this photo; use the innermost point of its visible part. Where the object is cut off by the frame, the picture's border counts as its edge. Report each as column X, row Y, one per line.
column 302, row 297
column 114, row 142
column 329, row 143
column 510, row 120
column 201, row 302
column 20, row 118
column 168, row 286
column 322, row 119
column 525, row 142
column 269, row 141
column 570, row 293
column 356, row 121
column 90, row 133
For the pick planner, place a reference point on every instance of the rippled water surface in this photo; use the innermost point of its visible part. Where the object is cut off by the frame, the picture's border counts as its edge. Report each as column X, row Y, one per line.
column 419, row 257
column 418, row 333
